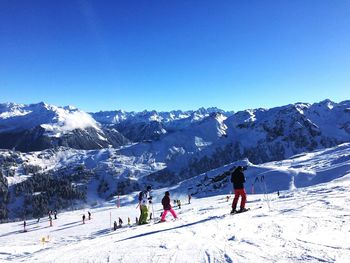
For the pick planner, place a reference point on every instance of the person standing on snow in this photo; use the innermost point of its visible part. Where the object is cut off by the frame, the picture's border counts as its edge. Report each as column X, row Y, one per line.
column 238, row 180
column 50, row 219
column 55, row 213
column 167, row 207
column 179, row 203
column 145, row 199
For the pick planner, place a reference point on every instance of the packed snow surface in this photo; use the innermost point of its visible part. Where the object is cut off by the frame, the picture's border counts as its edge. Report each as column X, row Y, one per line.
column 302, row 225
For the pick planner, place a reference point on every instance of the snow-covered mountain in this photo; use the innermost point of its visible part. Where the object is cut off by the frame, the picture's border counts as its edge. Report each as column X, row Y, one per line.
column 42, row 126
column 55, row 120
column 151, row 125
column 261, row 135
column 162, row 149
column 119, row 116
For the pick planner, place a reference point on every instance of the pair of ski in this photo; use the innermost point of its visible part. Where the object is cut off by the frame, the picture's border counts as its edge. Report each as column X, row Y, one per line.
column 243, row 211
column 160, row 221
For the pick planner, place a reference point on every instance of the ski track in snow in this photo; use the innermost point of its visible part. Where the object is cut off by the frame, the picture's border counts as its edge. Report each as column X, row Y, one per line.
column 304, row 225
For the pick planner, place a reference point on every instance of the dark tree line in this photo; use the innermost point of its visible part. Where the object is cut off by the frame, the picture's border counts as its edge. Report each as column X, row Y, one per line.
column 44, row 192
column 4, row 196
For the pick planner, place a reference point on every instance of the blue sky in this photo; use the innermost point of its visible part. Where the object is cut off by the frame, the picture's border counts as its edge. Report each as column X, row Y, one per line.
column 165, row 55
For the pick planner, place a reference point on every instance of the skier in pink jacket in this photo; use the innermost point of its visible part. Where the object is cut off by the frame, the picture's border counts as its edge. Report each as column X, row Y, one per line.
column 167, row 207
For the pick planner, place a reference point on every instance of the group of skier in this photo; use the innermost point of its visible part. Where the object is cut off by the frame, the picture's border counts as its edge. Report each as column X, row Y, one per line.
column 145, row 202
column 145, row 198
column 115, row 224
column 89, row 217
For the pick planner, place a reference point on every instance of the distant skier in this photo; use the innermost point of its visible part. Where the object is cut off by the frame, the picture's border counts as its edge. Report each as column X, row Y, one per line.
column 129, row 221
column 189, row 198
column 115, row 225
column 145, row 199
column 50, row 218
column 89, row 215
column 55, row 213
column 238, row 180
column 179, row 203
column 83, row 218
column 24, row 226
column 167, row 207
column 120, row 223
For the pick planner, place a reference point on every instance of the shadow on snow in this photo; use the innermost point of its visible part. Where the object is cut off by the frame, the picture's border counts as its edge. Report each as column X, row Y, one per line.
column 169, row 229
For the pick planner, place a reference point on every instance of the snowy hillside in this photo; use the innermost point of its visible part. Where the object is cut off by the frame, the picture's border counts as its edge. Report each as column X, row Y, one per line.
column 300, row 225
column 33, row 181
column 301, row 170
column 261, row 135
column 264, row 135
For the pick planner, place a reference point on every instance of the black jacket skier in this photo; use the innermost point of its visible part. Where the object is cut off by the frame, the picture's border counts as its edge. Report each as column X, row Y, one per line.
column 238, row 178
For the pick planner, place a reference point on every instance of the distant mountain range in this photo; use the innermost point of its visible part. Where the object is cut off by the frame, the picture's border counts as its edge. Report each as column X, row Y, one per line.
column 97, row 155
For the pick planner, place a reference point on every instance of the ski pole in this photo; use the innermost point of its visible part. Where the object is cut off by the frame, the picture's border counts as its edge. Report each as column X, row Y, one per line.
column 110, row 220
column 153, row 212
column 266, row 195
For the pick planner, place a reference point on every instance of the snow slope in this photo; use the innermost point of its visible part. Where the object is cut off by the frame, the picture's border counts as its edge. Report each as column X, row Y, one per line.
column 303, row 224
column 308, row 225
column 301, row 170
